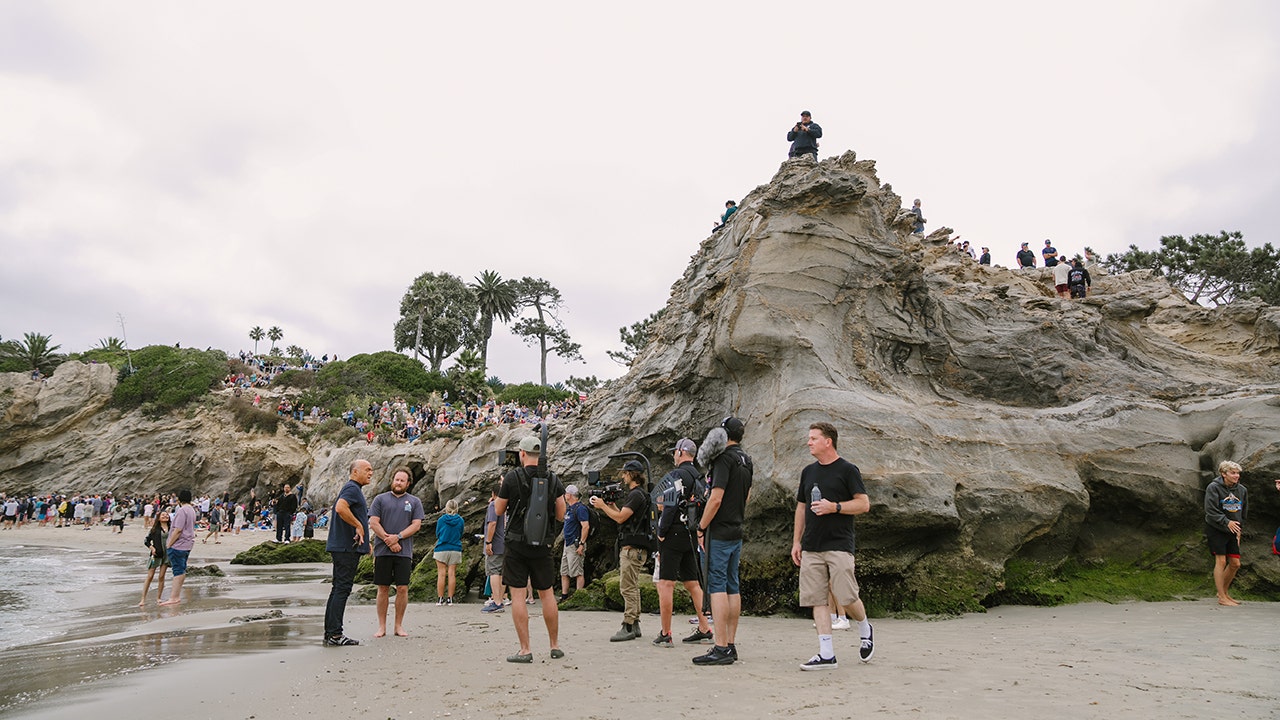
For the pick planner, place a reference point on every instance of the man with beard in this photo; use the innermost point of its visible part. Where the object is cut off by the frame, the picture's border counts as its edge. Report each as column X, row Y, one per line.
column 394, row 517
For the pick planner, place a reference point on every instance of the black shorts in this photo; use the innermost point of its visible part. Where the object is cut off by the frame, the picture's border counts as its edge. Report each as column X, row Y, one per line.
column 676, row 562
column 392, row 570
column 1222, row 543
column 528, row 564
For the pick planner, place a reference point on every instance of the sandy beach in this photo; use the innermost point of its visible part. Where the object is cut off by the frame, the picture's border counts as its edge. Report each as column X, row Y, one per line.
column 1168, row 660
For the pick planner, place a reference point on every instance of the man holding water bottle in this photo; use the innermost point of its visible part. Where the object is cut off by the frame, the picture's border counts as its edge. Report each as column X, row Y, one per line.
column 830, row 494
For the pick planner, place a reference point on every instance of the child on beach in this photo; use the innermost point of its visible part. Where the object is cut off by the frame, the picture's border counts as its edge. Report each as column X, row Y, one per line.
column 159, row 555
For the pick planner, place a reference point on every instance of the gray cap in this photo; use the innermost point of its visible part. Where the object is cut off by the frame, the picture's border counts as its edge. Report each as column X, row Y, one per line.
column 571, row 490
column 530, row 444
column 685, row 445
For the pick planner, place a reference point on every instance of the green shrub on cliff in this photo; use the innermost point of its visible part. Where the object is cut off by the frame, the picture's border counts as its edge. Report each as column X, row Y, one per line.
column 166, row 378
column 532, row 394
column 249, row 418
column 375, row 377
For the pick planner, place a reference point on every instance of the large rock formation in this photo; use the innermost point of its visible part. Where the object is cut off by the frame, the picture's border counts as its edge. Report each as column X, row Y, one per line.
column 992, row 421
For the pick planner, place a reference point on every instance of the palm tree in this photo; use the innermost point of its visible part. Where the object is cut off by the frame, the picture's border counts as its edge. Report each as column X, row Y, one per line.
column 255, row 335
column 274, row 334
column 113, row 344
column 497, row 299
column 34, row 352
column 294, row 351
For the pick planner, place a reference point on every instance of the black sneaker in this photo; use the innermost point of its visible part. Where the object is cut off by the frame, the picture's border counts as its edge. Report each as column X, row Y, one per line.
column 733, row 651
column 561, row 598
column 663, row 640
column 817, row 662
column 715, row 656
column 868, row 645
column 705, row 638
column 339, row 641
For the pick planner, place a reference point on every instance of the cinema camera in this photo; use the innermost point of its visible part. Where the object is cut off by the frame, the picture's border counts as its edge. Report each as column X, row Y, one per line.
column 613, row 492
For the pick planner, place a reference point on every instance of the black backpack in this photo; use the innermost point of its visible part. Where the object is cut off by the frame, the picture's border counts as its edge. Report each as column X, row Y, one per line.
column 532, row 511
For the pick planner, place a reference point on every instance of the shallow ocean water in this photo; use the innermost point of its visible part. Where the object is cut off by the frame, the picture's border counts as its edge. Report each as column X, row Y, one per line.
column 68, row 619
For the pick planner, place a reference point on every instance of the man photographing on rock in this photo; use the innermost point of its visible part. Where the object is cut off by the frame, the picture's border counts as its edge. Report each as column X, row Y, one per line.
column 804, row 137
column 830, row 494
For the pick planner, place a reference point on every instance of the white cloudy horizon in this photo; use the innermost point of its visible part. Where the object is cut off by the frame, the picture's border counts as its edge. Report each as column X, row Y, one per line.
column 204, row 169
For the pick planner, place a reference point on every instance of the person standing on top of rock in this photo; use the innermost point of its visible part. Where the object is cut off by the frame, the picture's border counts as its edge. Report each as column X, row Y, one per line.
column 1226, row 507
column 918, row 226
column 1050, row 254
column 804, row 137
column 1026, row 258
column 1078, row 279
column 1061, row 271
column 985, row 258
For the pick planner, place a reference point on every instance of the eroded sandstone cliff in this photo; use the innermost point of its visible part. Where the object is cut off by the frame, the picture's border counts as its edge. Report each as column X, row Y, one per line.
column 992, row 421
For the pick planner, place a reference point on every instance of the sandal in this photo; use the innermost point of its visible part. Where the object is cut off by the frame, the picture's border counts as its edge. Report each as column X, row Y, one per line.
column 518, row 658
column 556, row 653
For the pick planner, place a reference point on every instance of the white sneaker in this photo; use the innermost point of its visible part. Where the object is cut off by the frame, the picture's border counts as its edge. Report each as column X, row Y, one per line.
column 840, row 624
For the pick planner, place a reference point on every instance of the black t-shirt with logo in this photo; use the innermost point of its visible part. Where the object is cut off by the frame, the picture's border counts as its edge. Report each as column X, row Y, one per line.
column 838, row 482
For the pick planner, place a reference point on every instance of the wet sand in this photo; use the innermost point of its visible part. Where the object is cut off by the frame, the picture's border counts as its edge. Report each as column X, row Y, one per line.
column 1168, row 660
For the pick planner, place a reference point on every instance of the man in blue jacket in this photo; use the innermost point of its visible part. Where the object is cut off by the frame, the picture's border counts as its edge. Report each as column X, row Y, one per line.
column 804, row 137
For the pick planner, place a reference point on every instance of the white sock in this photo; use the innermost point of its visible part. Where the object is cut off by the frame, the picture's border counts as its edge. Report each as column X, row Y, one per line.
column 841, row 618
column 864, row 629
column 833, row 617
column 825, row 651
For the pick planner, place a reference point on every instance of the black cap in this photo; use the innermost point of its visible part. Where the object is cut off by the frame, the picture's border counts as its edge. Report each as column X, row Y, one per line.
column 805, row 113
column 633, row 466
column 733, row 427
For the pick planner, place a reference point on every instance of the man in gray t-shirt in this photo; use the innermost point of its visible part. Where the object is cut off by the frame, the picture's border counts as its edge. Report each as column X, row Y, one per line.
column 394, row 517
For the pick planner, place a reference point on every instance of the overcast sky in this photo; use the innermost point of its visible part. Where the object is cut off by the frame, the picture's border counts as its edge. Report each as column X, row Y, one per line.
column 202, row 168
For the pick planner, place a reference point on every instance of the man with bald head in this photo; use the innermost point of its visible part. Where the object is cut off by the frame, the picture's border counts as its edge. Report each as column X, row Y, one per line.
column 348, row 540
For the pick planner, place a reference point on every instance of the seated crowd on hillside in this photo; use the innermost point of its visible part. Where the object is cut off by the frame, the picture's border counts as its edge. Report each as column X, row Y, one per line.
column 262, row 372
column 408, row 422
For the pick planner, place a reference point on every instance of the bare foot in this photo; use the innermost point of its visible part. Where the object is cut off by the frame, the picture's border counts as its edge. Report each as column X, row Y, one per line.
column 142, row 604
column 401, row 633
column 1227, row 601
column 170, row 602
column 382, row 632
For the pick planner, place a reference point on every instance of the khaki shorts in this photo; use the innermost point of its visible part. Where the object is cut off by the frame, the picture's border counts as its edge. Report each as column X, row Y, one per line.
column 822, row 570
column 571, row 562
column 448, row 557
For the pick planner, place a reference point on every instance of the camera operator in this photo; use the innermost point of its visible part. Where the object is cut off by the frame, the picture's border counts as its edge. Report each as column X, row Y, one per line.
column 804, row 137
column 678, row 559
column 633, row 542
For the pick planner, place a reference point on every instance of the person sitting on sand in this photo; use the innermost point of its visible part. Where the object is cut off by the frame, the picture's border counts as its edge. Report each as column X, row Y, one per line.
column 159, row 555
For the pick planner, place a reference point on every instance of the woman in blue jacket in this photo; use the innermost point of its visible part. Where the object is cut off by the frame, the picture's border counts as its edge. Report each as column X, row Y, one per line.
column 448, row 551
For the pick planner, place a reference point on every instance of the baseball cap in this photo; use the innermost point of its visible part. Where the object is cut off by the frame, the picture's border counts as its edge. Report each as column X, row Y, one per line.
column 685, row 445
column 571, row 490
column 805, row 113
column 734, row 427
column 1025, row 244
column 633, row 466
column 530, row 444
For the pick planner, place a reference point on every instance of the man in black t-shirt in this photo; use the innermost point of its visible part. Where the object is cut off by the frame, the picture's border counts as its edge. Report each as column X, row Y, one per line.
column 720, row 533
column 524, row 564
column 633, row 545
column 830, row 494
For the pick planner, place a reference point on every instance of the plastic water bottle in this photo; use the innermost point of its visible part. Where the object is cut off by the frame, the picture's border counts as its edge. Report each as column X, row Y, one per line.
column 814, row 496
